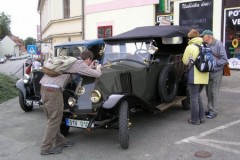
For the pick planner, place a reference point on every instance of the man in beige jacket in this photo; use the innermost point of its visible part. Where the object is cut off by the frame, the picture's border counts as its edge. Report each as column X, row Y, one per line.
column 53, row 105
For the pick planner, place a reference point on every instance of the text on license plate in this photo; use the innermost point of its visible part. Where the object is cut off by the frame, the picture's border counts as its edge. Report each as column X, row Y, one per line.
column 77, row 123
column 32, row 103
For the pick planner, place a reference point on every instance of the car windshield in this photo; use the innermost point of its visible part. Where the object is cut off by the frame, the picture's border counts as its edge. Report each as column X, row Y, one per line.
column 76, row 49
column 69, row 51
column 136, row 51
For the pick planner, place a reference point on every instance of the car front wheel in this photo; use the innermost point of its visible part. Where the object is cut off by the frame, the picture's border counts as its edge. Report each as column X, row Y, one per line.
column 22, row 104
column 123, row 125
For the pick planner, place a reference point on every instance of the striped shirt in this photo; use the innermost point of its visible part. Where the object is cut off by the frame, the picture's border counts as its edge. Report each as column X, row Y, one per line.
column 78, row 67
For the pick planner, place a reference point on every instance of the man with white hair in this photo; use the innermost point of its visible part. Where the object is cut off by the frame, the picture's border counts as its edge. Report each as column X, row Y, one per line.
column 215, row 77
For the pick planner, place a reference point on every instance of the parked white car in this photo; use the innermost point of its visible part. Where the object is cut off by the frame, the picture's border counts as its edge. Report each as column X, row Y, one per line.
column 3, row 59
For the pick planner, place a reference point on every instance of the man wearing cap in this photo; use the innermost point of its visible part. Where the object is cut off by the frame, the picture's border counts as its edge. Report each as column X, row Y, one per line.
column 215, row 77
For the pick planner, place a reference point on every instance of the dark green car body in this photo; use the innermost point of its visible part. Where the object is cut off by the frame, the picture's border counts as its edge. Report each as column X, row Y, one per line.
column 143, row 79
column 142, row 69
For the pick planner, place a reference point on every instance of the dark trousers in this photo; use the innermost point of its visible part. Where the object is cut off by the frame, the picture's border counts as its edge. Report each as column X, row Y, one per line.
column 212, row 90
column 197, row 110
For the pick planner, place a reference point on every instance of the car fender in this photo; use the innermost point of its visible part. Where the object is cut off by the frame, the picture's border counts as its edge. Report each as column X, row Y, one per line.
column 21, row 87
column 112, row 101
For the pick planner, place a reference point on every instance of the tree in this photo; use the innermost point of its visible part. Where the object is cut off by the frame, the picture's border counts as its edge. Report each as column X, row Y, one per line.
column 5, row 21
column 29, row 41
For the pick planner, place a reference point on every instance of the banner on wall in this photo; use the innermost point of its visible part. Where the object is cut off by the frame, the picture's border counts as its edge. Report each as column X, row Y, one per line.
column 196, row 14
column 232, row 36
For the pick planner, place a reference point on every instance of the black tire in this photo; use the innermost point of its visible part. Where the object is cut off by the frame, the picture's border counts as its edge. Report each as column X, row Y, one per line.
column 168, row 83
column 22, row 104
column 64, row 129
column 123, row 125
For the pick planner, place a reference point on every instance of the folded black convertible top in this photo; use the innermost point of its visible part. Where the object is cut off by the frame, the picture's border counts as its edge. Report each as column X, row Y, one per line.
column 147, row 32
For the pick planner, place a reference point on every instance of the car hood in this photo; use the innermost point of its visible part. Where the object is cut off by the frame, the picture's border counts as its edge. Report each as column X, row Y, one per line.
column 118, row 78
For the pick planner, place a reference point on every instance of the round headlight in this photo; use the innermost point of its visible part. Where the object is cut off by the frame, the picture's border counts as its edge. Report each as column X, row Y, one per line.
column 26, row 78
column 72, row 101
column 95, row 96
column 80, row 90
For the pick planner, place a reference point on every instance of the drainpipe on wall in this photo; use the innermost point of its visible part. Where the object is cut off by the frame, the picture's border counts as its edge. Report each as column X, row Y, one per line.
column 83, row 20
column 40, row 35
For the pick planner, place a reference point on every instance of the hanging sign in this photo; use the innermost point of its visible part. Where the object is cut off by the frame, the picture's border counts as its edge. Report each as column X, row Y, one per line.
column 196, row 14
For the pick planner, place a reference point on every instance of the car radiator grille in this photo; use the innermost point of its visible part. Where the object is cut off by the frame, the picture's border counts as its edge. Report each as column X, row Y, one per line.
column 126, row 83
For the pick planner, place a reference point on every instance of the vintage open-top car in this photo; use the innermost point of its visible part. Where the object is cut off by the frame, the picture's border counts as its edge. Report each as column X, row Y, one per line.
column 142, row 70
column 29, row 87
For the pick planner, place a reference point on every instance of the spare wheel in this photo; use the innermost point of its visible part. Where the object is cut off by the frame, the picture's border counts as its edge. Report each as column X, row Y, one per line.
column 167, row 83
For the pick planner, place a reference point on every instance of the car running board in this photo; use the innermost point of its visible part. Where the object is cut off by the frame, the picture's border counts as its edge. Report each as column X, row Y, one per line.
column 164, row 106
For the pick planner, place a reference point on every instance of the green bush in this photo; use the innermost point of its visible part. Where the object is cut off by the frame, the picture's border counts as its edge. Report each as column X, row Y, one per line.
column 8, row 89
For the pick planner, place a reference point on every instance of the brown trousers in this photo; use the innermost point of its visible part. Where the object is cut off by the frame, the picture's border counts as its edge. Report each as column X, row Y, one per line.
column 53, row 106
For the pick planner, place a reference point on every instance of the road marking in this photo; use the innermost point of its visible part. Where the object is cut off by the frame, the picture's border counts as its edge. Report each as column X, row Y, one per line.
column 211, row 142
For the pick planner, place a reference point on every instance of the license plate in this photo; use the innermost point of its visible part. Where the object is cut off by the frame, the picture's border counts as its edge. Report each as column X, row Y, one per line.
column 32, row 103
column 77, row 123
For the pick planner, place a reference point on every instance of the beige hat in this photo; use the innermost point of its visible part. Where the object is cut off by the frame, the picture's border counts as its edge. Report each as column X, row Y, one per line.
column 193, row 33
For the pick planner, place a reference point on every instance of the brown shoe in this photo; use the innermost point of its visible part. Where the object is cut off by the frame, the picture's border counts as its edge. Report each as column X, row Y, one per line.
column 55, row 150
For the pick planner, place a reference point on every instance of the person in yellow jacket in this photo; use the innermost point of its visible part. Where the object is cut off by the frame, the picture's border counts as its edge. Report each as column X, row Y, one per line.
column 196, row 79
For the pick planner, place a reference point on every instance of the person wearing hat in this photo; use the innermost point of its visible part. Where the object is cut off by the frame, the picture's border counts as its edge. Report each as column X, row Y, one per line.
column 215, row 77
column 196, row 79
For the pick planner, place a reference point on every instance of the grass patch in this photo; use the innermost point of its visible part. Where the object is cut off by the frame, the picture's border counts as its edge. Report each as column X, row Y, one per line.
column 8, row 89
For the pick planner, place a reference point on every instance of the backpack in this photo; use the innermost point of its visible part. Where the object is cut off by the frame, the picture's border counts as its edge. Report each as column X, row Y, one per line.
column 56, row 66
column 205, row 60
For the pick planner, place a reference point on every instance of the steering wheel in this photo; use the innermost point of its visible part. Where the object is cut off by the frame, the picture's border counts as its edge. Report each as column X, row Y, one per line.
column 143, row 55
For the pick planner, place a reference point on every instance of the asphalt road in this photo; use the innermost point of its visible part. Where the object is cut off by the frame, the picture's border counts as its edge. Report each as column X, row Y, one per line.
column 164, row 136
column 14, row 68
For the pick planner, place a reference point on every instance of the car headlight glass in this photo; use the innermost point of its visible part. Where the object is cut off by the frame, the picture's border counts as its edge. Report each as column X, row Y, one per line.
column 95, row 96
column 80, row 90
column 26, row 78
column 72, row 101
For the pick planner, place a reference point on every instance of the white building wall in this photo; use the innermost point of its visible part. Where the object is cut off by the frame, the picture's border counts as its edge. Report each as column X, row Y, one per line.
column 17, row 50
column 57, row 11
column 217, row 20
column 57, row 29
column 53, row 23
column 8, row 46
column 67, row 26
column 1, row 54
column 76, row 8
column 121, row 20
column 46, row 13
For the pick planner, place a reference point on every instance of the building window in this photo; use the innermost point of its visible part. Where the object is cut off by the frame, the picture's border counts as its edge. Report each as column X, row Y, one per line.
column 104, row 31
column 66, row 8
